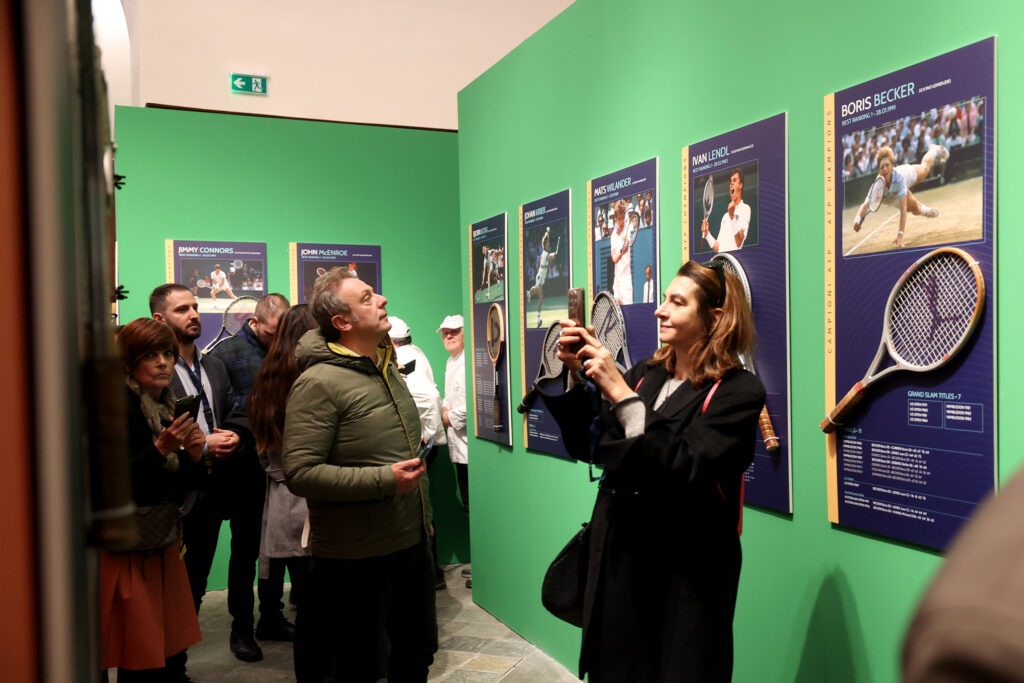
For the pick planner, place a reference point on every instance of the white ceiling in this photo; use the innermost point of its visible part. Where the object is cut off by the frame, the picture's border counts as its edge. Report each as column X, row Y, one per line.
column 396, row 62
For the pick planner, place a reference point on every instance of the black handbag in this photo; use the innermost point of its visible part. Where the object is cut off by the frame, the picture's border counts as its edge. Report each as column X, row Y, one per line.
column 566, row 578
column 159, row 526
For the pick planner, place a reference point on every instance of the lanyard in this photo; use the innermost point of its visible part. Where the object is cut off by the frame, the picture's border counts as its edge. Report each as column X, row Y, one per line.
column 197, row 382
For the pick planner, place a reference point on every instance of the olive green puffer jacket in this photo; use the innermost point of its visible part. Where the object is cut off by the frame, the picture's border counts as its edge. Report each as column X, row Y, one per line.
column 346, row 423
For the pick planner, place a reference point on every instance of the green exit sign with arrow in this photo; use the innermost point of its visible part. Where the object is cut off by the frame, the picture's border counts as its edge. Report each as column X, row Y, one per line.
column 249, row 84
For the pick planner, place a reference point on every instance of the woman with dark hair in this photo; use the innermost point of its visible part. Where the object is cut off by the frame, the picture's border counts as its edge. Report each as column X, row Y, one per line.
column 676, row 434
column 146, row 612
column 284, row 513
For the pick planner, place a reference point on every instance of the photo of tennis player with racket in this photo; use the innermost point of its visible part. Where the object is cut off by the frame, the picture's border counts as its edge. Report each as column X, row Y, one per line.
column 732, row 231
column 549, row 263
column 914, row 181
column 896, row 184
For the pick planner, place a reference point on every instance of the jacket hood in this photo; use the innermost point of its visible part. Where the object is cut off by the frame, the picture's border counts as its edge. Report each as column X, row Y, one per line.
column 313, row 349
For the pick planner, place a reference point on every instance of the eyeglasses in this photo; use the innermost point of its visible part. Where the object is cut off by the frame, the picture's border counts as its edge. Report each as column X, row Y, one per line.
column 719, row 269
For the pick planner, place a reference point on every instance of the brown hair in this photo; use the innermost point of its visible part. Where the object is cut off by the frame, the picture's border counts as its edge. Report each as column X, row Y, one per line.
column 325, row 302
column 733, row 335
column 142, row 336
column 270, row 306
column 279, row 370
column 158, row 298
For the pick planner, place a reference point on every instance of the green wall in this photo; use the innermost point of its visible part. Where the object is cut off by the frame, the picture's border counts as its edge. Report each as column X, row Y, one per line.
column 202, row 176
column 607, row 84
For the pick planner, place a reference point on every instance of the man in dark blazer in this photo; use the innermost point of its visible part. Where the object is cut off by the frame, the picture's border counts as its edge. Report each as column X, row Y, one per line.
column 225, row 427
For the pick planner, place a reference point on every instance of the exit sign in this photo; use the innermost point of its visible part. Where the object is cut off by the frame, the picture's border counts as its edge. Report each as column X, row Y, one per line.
column 248, row 84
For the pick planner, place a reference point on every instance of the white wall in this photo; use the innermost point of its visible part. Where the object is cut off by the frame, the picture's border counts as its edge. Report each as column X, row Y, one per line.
column 397, row 62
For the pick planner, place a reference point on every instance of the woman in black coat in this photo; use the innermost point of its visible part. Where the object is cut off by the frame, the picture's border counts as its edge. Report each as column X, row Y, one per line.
column 676, row 434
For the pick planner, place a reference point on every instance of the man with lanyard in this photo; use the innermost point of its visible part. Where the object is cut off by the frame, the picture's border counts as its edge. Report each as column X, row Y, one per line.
column 242, row 356
column 220, row 419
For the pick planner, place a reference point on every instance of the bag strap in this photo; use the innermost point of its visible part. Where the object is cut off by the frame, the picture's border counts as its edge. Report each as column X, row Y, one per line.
column 707, row 399
column 704, row 409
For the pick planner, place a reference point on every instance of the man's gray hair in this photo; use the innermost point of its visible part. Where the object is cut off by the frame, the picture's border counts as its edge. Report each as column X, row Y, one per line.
column 325, row 303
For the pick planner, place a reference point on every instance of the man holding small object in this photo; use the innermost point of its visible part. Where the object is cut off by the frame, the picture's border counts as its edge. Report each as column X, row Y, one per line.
column 732, row 231
column 351, row 439
column 242, row 356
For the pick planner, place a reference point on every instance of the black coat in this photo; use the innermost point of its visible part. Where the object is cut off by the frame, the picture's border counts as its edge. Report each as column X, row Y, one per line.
column 228, row 414
column 664, row 552
column 151, row 483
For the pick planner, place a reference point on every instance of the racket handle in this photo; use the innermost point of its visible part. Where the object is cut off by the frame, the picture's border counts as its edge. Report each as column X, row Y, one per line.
column 852, row 398
column 771, row 441
column 528, row 400
column 497, row 414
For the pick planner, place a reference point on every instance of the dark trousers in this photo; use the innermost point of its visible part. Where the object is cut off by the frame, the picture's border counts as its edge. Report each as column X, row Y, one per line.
column 462, row 478
column 242, row 503
column 368, row 618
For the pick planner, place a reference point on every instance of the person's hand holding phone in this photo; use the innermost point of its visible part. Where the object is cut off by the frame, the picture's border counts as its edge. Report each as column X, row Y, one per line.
column 174, row 434
column 408, row 474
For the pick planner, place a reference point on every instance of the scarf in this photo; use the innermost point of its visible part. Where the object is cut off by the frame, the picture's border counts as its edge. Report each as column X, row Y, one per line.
column 156, row 413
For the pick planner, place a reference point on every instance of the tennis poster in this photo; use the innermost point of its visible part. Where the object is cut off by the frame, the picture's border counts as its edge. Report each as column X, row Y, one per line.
column 622, row 250
column 217, row 273
column 545, row 278
column 909, row 297
column 734, row 210
column 307, row 262
column 489, row 323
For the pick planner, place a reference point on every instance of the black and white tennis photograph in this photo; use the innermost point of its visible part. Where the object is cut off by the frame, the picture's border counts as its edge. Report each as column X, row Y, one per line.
column 909, row 285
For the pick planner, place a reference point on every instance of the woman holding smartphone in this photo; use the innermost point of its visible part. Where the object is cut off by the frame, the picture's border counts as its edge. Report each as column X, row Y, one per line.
column 676, row 433
column 146, row 612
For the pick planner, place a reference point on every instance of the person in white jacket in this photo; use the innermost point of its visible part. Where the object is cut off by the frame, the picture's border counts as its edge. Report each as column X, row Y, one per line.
column 453, row 408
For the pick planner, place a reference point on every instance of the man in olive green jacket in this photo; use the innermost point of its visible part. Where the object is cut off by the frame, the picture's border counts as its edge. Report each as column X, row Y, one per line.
column 351, row 440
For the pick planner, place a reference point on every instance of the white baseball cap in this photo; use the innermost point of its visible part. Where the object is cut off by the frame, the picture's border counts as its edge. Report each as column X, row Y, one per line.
column 399, row 330
column 450, row 322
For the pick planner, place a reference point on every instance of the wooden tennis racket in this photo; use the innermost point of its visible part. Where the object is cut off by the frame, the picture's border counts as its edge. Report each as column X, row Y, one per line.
column 610, row 328
column 236, row 314
column 730, row 263
column 551, row 366
column 495, row 342
column 932, row 311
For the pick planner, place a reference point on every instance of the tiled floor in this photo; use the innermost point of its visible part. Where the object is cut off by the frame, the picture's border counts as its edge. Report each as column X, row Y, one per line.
column 474, row 647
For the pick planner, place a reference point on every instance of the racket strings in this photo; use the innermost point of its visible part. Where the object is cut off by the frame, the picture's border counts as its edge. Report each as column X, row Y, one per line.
column 875, row 193
column 238, row 313
column 934, row 310
column 709, row 195
column 608, row 328
column 551, row 364
column 494, row 339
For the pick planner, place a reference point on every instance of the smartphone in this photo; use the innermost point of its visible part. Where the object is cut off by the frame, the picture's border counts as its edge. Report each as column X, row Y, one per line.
column 425, row 449
column 187, row 404
column 577, row 308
